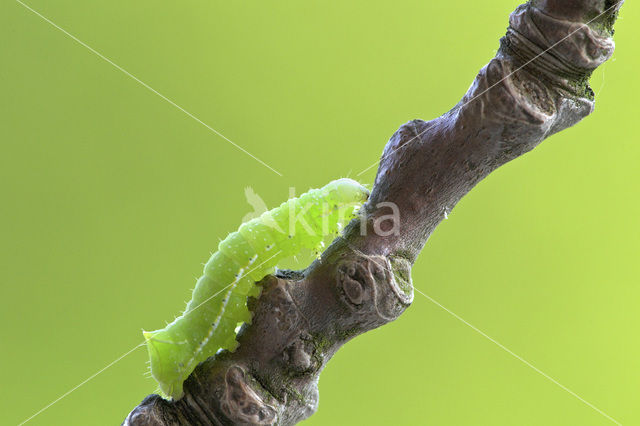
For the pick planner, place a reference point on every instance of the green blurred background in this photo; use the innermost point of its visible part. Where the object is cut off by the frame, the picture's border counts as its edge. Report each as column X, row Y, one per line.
column 111, row 199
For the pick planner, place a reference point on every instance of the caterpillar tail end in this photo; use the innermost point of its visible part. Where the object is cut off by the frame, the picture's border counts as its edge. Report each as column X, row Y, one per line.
column 350, row 191
column 165, row 366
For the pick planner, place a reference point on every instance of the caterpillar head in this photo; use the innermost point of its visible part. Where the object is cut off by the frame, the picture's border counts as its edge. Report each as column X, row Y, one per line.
column 167, row 365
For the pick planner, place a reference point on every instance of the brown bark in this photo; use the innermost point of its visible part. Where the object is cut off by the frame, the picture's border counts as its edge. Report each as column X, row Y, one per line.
column 536, row 85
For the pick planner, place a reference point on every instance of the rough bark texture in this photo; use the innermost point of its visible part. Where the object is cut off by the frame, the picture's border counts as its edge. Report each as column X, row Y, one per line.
column 536, row 85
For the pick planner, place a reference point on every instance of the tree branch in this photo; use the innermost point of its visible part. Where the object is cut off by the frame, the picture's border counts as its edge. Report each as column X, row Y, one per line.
column 536, row 85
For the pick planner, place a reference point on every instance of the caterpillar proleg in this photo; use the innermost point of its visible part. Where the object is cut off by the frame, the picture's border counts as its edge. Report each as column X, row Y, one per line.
column 219, row 300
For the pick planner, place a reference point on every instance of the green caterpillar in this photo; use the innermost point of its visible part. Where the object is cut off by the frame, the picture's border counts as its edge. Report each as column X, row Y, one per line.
column 219, row 301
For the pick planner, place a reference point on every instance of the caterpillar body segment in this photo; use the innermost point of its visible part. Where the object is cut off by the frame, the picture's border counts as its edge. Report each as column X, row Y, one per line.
column 219, row 300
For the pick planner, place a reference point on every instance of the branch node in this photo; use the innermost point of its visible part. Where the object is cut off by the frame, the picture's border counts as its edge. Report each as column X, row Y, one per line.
column 241, row 404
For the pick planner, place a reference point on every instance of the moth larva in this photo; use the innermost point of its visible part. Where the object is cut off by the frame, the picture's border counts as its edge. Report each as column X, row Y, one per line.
column 219, row 301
